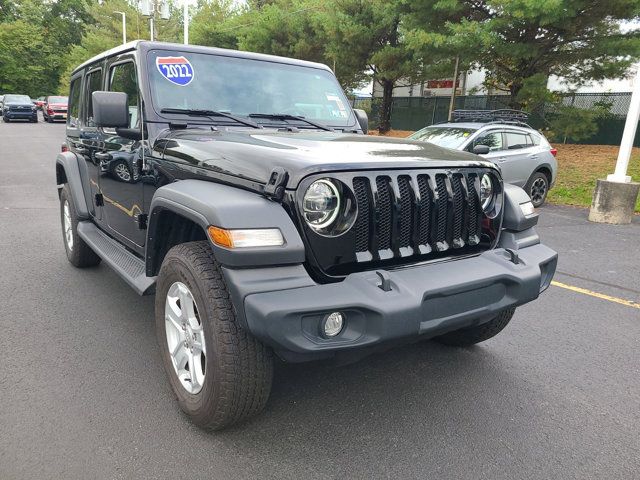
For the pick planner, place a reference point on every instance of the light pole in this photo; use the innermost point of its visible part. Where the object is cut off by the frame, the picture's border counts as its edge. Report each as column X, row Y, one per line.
column 124, row 26
column 185, row 14
column 614, row 199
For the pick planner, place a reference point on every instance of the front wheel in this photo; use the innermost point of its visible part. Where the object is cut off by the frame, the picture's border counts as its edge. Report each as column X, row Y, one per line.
column 537, row 188
column 218, row 371
column 466, row 337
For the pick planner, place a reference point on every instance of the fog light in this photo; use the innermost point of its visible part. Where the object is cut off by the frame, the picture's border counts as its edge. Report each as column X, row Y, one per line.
column 332, row 324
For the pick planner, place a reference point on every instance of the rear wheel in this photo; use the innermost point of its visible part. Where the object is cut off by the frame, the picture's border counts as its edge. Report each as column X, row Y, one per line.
column 218, row 371
column 470, row 336
column 537, row 188
column 78, row 252
column 5, row 119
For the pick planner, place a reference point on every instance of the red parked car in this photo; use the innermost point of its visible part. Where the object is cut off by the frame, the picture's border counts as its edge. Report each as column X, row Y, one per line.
column 55, row 108
column 39, row 102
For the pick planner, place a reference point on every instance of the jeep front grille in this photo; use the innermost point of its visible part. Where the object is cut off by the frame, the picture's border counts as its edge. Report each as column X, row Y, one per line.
column 403, row 215
column 406, row 217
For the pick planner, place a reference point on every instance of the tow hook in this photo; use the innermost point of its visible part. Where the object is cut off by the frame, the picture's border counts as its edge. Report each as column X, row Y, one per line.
column 513, row 256
column 385, row 281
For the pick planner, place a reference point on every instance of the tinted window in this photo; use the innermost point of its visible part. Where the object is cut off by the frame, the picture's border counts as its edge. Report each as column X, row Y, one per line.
column 517, row 140
column 74, row 103
column 493, row 140
column 94, row 83
column 449, row 137
column 123, row 79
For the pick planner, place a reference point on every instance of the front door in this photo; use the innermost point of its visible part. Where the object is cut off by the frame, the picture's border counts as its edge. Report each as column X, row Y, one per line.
column 518, row 159
column 121, row 163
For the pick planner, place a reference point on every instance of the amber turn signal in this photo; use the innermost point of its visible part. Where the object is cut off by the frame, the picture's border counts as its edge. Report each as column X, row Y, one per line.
column 243, row 238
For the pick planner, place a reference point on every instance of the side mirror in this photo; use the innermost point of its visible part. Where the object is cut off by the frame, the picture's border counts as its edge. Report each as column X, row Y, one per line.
column 481, row 149
column 363, row 119
column 110, row 109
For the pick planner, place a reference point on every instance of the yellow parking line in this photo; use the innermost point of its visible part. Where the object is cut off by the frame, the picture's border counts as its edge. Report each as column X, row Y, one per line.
column 601, row 296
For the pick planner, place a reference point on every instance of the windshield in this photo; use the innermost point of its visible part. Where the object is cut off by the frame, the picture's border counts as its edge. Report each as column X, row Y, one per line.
column 16, row 99
column 58, row 99
column 449, row 137
column 241, row 86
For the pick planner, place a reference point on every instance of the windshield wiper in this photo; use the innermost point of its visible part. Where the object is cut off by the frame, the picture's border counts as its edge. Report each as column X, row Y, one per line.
column 210, row 113
column 287, row 116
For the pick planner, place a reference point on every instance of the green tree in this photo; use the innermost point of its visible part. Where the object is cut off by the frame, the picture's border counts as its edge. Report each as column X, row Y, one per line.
column 216, row 24
column 521, row 43
column 24, row 60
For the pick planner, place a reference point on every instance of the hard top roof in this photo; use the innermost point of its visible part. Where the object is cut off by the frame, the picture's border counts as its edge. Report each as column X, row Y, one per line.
column 177, row 47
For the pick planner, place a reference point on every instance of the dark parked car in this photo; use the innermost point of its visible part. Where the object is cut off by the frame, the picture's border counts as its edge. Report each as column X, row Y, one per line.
column 18, row 107
column 55, row 108
column 240, row 189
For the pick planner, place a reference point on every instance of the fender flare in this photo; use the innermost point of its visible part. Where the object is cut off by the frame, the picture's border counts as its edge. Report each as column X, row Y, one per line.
column 208, row 203
column 68, row 161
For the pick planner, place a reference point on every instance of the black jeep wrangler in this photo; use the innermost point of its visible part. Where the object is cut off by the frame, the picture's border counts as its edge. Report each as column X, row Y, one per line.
column 241, row 190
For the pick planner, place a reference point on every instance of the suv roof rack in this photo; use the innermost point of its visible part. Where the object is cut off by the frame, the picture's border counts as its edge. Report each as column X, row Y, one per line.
column 504, row 115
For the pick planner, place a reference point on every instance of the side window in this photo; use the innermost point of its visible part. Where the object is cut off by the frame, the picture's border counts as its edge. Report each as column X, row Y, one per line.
column 73, row 117
column 123, row 79
column 492, row 139
column 516, row 140
column 94, row 83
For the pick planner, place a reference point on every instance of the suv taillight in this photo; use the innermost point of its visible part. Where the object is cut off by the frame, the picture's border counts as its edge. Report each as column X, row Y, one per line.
column 554, row 151
column 64, row 148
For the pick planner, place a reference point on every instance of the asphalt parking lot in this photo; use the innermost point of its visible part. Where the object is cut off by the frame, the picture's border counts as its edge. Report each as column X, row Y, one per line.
column 83, row 394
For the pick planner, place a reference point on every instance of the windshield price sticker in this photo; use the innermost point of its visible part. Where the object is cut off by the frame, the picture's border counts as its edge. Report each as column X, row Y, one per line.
column 177, row 70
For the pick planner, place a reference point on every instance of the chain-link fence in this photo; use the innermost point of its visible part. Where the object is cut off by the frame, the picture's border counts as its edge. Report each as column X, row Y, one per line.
column 414, row 113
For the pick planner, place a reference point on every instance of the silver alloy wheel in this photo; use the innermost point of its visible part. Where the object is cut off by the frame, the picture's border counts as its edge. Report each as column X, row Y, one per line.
column 122, row 172
column 68, row 229
column 538, row 190
column 185, row 337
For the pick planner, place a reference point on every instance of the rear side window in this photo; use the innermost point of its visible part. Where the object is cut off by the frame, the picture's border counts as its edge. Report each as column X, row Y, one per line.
column 516, row 140
column 94, row 84
column 74, row 103
column 123, row 78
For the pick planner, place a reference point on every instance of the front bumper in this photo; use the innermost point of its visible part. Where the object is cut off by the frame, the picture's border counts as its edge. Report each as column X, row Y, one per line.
column 424, row 300
column 20, row 115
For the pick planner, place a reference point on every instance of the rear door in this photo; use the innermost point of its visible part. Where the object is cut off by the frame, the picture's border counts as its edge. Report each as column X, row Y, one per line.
column 520, row 157
column 89, row 138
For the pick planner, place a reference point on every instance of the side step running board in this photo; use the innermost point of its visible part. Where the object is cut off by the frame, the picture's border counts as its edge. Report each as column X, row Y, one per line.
column 126, row 264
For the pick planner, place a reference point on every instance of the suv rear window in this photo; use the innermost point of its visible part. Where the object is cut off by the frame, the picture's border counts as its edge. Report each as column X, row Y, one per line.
column 74, row 103
column 516, row 140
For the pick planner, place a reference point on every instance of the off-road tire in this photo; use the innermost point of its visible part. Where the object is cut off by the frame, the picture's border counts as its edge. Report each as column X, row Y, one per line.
column 537, row 177
column 470, row 336
column 239, row 369
column 80, row 255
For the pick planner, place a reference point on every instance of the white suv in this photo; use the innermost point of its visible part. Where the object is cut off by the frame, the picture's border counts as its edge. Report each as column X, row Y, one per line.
column 523, row 154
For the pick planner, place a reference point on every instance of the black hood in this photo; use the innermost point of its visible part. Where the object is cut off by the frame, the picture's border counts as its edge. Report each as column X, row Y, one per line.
column 252, row 154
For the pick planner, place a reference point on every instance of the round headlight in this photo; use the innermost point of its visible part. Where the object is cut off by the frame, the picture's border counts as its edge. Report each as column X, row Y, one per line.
column 321, row 204
column 486, row 191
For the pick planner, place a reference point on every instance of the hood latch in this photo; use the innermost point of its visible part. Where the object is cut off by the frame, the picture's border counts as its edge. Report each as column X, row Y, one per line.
column 275, row 187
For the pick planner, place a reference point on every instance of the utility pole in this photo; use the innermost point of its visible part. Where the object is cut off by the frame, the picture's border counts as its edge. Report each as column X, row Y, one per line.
column 185, row 14
column 453, row 90
column 124, row 26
